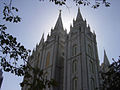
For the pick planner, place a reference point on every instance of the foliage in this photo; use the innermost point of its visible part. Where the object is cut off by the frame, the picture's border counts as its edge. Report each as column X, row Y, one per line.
column 111, row 79
column 36, row 80
column 13, row 55
column 9, row 13
column 94, row 3
column 10, row 52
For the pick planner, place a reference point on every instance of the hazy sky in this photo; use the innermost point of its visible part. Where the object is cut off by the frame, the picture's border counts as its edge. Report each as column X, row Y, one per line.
column 40, row 17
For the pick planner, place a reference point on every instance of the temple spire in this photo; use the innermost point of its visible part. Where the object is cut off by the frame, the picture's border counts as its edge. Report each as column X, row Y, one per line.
column 59, row 24
column 79, row 16
column 105, row 65
column 106, row 61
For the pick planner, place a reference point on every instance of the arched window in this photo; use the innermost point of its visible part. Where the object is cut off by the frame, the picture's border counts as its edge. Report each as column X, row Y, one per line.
column 75, row 83
column 74, row 66
column 74, row 50
column 91, row 66
column 47, row 59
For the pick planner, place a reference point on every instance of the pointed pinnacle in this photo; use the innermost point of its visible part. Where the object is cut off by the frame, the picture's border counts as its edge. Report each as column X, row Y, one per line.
column 106, row 61
column 59, row 24
column 79, row 16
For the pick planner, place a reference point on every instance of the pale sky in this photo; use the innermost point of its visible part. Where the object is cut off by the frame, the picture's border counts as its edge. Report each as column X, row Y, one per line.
column 40, row 17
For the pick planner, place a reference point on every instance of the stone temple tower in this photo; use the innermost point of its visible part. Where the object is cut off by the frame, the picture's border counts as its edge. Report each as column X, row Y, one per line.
column 81, row 57
column 49, row 55
column 69, row 58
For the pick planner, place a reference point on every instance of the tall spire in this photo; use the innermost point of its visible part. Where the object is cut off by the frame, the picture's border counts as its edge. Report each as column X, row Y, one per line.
column 59, row 24
column 105, row 64
column 79, row 16
column 106, row 61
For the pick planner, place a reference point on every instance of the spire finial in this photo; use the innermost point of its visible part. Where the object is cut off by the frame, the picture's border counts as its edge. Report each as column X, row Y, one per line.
column 60, row 11
column 79, row 16
column 78, row 9
column 59, row 24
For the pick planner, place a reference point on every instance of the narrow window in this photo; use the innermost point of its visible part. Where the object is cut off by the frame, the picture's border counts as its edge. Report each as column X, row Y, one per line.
column 92, row 84
column 74, row 66
column 75, row 84
column 74, row 50
column 80, row 29
column 91, row 67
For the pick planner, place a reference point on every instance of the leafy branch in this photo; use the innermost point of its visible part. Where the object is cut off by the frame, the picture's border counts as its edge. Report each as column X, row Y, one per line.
column 9, row 13
column 94, row 4
column 111, row 78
